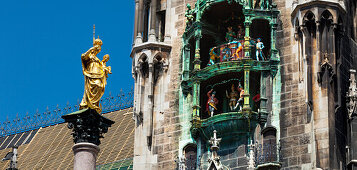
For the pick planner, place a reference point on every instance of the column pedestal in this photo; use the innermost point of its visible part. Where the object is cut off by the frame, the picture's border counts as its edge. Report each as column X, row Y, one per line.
column 85, row 156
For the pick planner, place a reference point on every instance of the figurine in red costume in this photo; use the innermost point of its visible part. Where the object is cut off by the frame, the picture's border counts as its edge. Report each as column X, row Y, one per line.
column 211, row 102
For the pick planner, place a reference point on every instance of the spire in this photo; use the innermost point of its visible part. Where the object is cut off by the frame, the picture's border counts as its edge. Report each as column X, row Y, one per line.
column 214, row 160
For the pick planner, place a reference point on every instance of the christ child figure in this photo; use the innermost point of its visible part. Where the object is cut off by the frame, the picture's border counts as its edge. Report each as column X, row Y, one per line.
column 107, row 69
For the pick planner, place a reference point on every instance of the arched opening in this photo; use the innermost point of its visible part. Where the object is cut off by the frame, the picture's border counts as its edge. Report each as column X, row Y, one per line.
column 215, row 24
column 268, row 150
column 158, row 67
column 260, row 29
column 326, row 32
column 228, row 89
column 309, row 26
column 190, row 154
column 144, row 65
column 222, row 86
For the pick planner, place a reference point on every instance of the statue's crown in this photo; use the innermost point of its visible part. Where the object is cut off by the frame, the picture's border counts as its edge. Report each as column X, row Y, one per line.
column 97, row 42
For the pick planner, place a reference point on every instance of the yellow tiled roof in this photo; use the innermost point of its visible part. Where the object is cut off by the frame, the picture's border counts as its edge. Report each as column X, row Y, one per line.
column 51, row 147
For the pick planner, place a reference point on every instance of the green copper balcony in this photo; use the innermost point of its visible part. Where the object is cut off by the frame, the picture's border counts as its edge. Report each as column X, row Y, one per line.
column 229, row 125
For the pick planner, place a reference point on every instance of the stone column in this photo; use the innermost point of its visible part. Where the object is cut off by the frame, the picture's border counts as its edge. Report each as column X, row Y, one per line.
column 196, row 85
column 136, row 19
column 274, row 51
column 246, row 40
column 246, row 105
column 88, row 127
column 263, row 114
column 152, row 34
column 150, row 106
column 85, row 156
column 140, row 24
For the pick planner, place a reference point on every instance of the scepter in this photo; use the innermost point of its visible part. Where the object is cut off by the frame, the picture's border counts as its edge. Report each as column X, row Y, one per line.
column 93, row 33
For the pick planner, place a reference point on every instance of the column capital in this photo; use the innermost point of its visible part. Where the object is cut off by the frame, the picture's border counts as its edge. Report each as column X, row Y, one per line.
column 88, row 125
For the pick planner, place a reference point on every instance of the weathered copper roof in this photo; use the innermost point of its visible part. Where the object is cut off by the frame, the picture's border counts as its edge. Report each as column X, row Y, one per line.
column 51, row 147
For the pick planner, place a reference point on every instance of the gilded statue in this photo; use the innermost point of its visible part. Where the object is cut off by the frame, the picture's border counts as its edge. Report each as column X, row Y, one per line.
column 95, row 74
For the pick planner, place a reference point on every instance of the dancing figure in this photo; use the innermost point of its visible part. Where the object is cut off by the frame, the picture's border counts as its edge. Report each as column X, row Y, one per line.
column 230, row 35
column 232, row 96
column 211, row 102
column 213, row 57
column 241, row 98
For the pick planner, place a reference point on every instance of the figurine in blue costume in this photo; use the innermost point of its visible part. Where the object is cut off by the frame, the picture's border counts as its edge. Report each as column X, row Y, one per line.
column 259, row 50
column 213, row 57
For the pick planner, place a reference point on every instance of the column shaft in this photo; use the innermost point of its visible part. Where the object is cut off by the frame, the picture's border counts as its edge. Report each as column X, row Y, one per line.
column 136, row 19
column 85, row 156
column 141, row 17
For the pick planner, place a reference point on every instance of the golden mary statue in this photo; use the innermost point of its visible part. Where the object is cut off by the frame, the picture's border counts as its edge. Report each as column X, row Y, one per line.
column 95, row 76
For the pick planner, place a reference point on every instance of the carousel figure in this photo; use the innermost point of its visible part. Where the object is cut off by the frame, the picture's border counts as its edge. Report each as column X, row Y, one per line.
column 230, row 35
column 211, row 102
column 232, row 96
column 213, row 57
column 259, row 49
column 241, row 97
column 256, row 100
column 237, row 48
column 240, row 33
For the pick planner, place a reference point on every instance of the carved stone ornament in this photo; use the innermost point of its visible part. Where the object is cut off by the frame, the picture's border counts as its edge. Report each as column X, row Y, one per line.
column 325, row 67
column 214, row 160
column 352, row 95
column 88, row 125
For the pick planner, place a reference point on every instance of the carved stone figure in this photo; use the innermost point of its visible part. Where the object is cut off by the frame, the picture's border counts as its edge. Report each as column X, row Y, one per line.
column 95, row 74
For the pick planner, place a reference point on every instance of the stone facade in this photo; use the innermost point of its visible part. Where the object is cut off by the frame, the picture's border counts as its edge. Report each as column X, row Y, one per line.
column 306, row 98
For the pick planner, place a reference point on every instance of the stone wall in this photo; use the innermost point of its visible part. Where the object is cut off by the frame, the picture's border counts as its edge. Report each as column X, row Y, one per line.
column 167, row 132
column 295, row 130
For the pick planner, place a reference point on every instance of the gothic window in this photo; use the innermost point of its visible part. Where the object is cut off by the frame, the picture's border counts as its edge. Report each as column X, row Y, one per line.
column 309, row 31
column 269, row 144
column 190, row 152
column 260, row 28
column 144, row 66
column 158, row 67
column 326, row 30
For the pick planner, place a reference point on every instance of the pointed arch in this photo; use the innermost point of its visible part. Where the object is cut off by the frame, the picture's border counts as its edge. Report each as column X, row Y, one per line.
column 143, row 64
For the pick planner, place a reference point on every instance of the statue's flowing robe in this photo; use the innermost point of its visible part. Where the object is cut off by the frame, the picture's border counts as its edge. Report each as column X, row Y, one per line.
column 95, row 80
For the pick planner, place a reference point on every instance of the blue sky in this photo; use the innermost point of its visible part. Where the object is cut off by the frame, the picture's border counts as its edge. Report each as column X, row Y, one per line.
column 41, row 45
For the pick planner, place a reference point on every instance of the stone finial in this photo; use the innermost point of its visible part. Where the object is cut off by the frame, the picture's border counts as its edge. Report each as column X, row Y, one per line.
column 214, row 160
column 251, row 163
